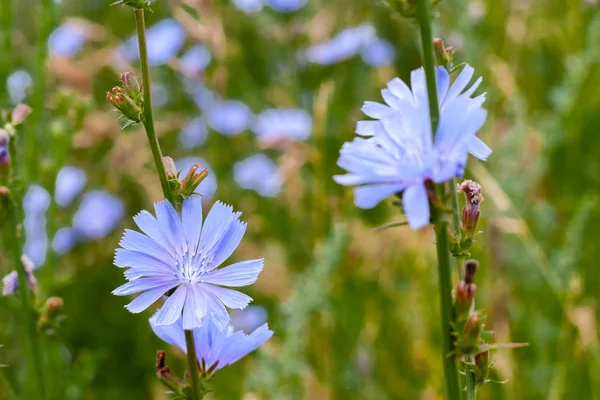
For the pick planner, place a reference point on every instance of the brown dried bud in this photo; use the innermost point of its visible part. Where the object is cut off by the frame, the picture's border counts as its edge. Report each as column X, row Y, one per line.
column 470, row 269
column 465, row 292
column 470, row 214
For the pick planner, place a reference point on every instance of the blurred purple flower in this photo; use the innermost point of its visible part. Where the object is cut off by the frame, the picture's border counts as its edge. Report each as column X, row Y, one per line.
column 10, row 282
column 195, row 60
column 258, row 173
column 215, row 349
column 69, row 183
column 184, row 253
column 229, row 117
column 379, row 53
column 165, row 39
column 64, row 240
column 286, row 6
column 249, row 6
column 400, row 153
column 67, row 40
column 194, row 133
column 18, row 83
column 278, row 123
column 248, row 319
column 344, row 45
column 208, row 186
column 98, row 214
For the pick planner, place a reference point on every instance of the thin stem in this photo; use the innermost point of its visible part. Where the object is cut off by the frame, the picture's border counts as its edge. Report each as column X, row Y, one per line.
column 162, row 174
column 148, row 118
column 14, row 243
column 441, row 224
column 471, row 386
column 192, row 364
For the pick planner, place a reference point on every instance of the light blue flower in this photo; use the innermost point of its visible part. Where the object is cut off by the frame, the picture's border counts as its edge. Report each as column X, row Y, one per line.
column 18, row 83
column 193, row 134
column 343, row 46
column 35, row 203
column 67, row 40
column 64, row 240
column 248, row 319
column 10, row 283
column 287, row 6
column 399, row 153
column 69, row 183
column 195, row 60
column 258, row 173
column 277, row 123
column 164, row 39
column 229, row 117
column 184, row 253
column 208, row 186
column 160, row 95
column 378, row 53
column 98, row 214
column 215, row 349
column 249, row 6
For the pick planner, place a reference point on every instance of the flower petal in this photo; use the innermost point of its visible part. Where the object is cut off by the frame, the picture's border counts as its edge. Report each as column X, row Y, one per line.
column 369, row 196
column 171, row 310
column 194, row 308
column 170, row 224
column 136, row 241
column 134, row 259
column 172, row 334
column 416, row 206
column 230, row 298
column 215, row 310
column 229, row 242
column 148, row 298
column 150, row 226
column 239, row 274
column 143, row 284
column 479, row 149
column 191, row 216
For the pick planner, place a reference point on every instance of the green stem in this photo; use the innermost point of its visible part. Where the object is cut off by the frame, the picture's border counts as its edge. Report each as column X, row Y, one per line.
column 471, row 386
column 15, row 244
column 192, row 365
column 162, row 174
column 148, row 118
column 441, row 224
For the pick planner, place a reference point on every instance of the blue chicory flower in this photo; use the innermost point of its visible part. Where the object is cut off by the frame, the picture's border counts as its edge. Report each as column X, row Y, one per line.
column 277, row 123
column 35, row 204
column 400, row 154
column 195, row 60
column 18, row 83
column 67, row 40
column 215, row 348
column 249, row 6
column 248, row 319
column 208, row 186
column 344, row 45
column 164, row 38
column 10, row 283
column 287, row 6
column 193, row 134
column 69, row 183
column 184, row 253
column 98, row 214
column 64, row 240
column 379, row 53
column 229, row 117
column 258, row 173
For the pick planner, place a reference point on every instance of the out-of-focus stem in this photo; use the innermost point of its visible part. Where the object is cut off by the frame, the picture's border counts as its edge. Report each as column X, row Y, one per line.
column 441, row 223
column 471, row 386
column 148, row 117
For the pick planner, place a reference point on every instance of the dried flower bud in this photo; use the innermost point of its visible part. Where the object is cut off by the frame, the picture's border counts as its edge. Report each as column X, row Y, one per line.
column 444, row 54
column 465, row 292
column 470, row 269
column 470, row 214
column 20, row 112
column 131, row 86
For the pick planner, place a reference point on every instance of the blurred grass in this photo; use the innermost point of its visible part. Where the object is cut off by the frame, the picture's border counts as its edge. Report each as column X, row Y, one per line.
column 371, row 333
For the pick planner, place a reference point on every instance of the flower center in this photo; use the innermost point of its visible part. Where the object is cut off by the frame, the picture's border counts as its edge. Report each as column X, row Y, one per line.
column 193, row 267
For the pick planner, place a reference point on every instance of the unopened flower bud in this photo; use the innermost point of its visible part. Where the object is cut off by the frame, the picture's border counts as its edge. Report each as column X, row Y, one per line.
column 470, row 269
column 482, row 362
column 170, row 167
column 128, row 107
column 443, row 53
column 470, row 214
column 131, row 85
column 465, row 292
column 473, row 328
column 20, row 112
column 192, row 179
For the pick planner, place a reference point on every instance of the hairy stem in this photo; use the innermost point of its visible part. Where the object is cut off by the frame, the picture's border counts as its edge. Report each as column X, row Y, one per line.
column 441, row 223
column 148, row 117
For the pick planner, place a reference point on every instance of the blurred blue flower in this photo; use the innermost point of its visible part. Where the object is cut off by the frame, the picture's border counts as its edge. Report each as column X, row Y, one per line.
column 69, row 183
column 279, row 123
column 10, row 282
column 183, row 253
column 165, row 39
column 208, row 186
column 67, row 40
column 400, row 153
column 215, row 348
column 64, row 240
column 379, row 53
column 160, row 95
column 98, row 214
column 249, row 6
column 17, row 84
column 195, row 60
column 286, row 6
column 248, row 319
column 258, row 173
column 229, row 117
column 35, row 204
column 344, row 45
column 194, row 133
column 203, row 96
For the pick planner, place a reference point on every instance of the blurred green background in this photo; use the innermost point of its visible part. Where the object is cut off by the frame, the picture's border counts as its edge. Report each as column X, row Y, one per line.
column 355, row 312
